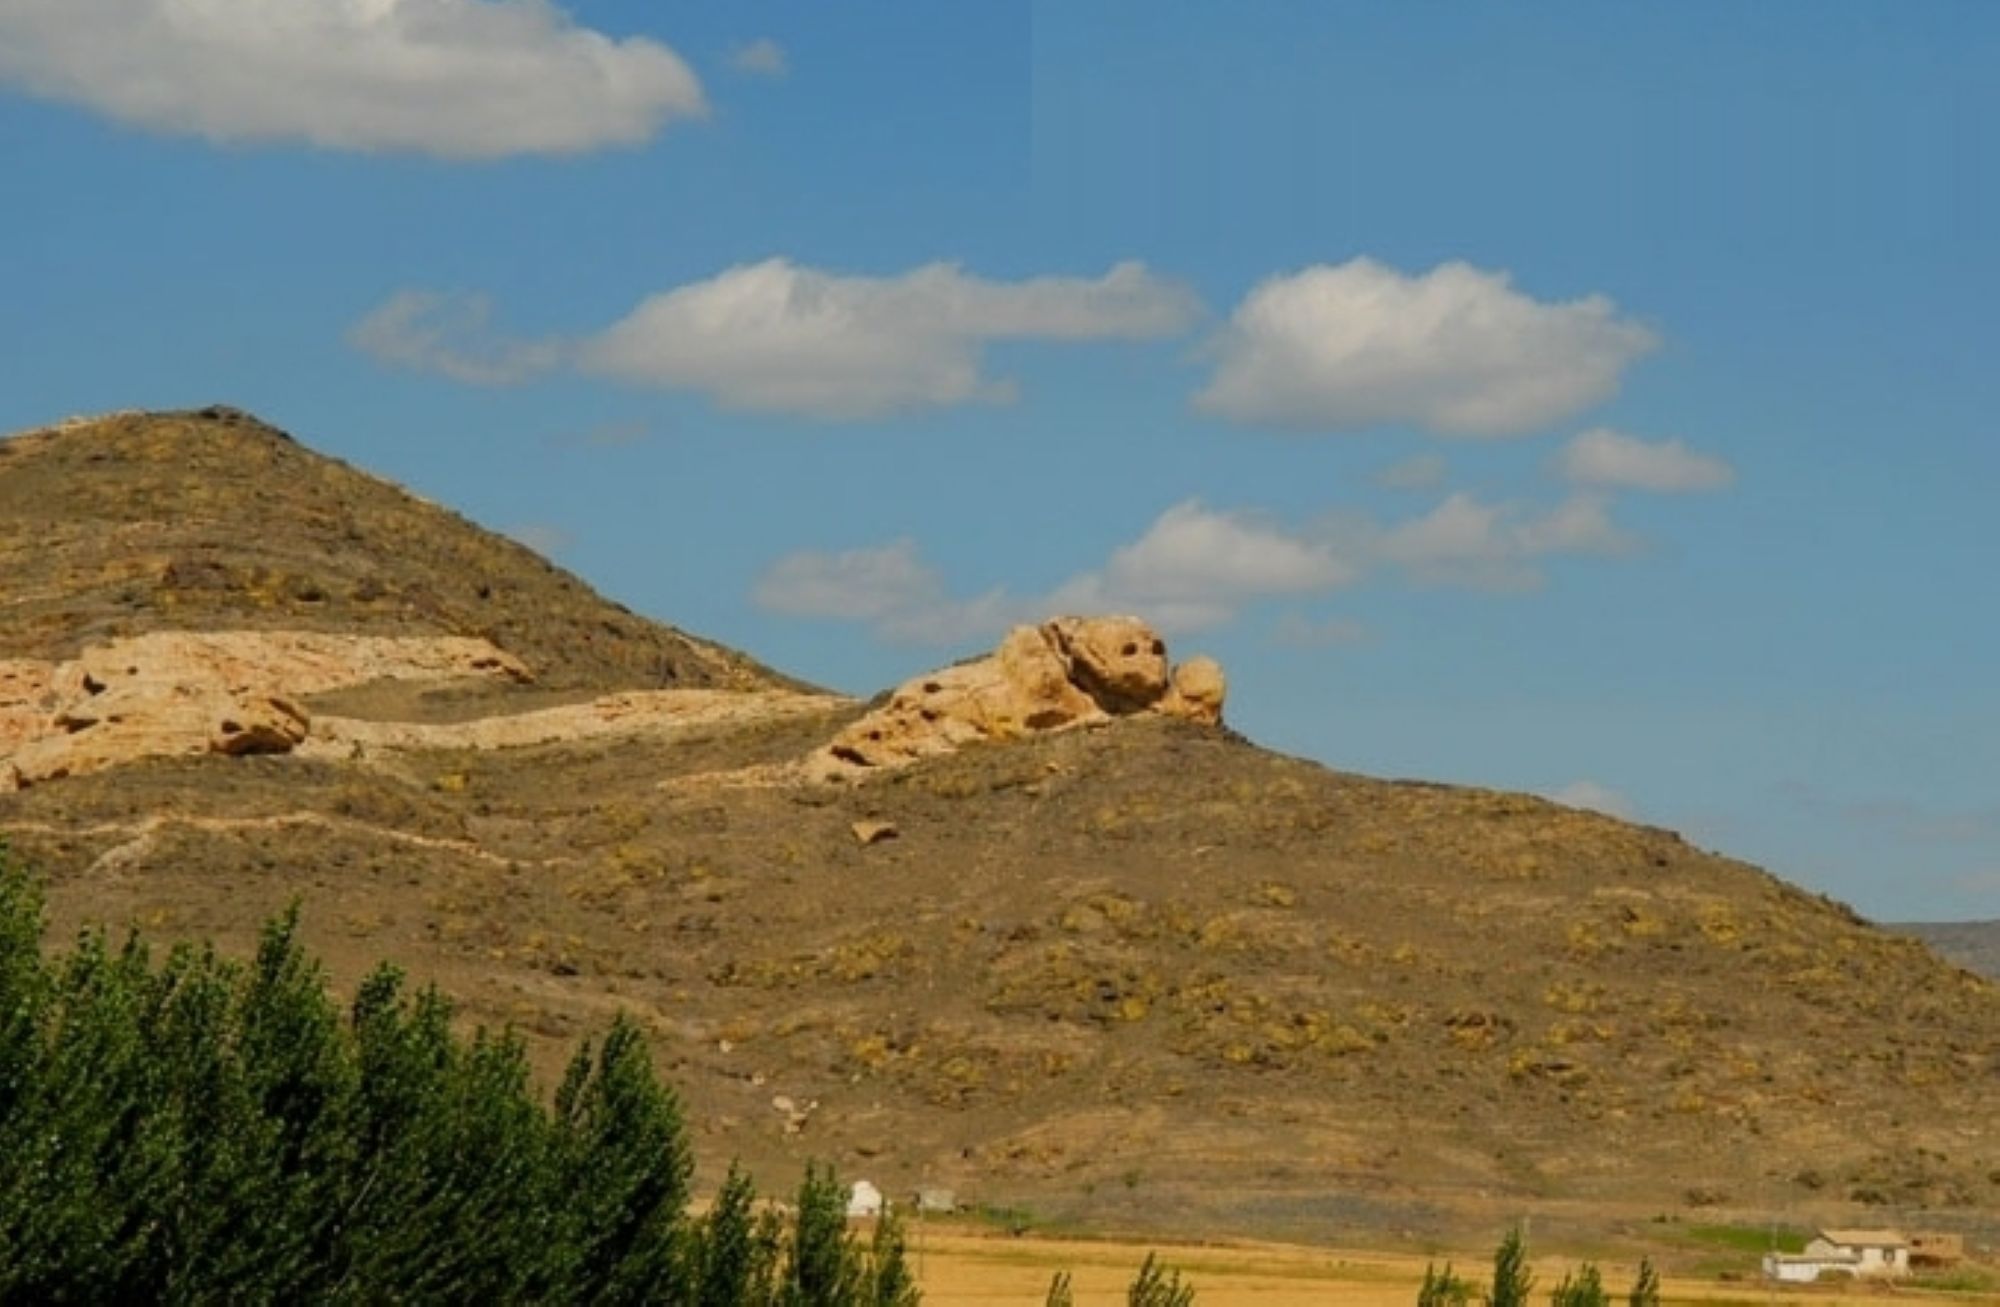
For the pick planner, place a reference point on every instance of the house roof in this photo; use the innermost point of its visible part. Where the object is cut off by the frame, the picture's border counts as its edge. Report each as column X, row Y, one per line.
column 1866, row 1238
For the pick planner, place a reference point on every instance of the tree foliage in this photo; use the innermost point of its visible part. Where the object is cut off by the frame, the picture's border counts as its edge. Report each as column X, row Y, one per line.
column 1512, row 1281
column 1583, row 1287
column 1645, row 1289
column 1158, row 1285
column 203, row 1130
column 1443, row 1288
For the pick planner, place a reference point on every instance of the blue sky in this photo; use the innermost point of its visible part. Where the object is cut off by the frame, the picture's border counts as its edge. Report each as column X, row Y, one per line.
column 1589, row 399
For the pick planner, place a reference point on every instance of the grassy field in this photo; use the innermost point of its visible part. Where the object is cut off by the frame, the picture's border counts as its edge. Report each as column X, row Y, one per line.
column 964, row 1266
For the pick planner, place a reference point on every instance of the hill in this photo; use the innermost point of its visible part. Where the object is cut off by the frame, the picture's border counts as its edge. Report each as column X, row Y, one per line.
column 1036, row 927
column 214, row 520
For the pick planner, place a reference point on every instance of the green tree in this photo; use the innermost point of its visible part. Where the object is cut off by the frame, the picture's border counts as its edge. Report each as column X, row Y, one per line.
column 1583, row 1288
column 822, row 1268
column 1158, row 1285
column 1512, row 1281
column 889, row 1281
column 1646, row 1289
column 1443, row 1288
column 623, row 1158
column 202, row 1130
column 734, row 1255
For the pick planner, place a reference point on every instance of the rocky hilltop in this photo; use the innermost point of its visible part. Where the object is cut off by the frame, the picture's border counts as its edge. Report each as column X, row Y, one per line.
column 1037, row 926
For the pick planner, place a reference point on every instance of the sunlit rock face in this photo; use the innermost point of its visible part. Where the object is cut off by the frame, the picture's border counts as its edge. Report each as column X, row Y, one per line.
column 1067, row 672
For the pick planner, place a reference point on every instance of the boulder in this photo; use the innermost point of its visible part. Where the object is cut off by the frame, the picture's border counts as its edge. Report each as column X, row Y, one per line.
column 1196, row 692
column 1120, row 662
column 1067, row 672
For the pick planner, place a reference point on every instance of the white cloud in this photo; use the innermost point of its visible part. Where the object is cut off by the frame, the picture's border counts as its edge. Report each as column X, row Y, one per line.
column 1613, row 460
column 428, row 331
column 863, row 584
column 763, row 57
column 1593, row 797
column 1192, row 568
column 1456, row 350
column 1580, row 524
column 1485, row 546
column 1195, row 567
column 777, row 337
column 1203, row 560
column 1417, row 472
column 469, row 79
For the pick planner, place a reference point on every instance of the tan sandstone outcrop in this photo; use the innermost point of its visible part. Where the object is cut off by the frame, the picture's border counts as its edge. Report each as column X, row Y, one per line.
column 633, row 712
column 190, row 692
column 1067, row 672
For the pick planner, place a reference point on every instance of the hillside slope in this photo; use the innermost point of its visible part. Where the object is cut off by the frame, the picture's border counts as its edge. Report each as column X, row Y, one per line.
column 213, row 519
column 1132, row 971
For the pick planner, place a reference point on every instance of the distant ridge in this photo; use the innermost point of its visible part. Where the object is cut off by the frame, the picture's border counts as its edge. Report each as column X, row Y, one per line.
column 1974, row 945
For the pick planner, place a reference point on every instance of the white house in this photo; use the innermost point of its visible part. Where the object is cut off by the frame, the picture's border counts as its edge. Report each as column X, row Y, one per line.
column 864, row 1199
column 1858, row 1254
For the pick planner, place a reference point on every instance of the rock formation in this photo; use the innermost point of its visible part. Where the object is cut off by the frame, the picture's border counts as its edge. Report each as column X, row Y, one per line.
column 180, row 693
column 1070, row 671
column 173, row 693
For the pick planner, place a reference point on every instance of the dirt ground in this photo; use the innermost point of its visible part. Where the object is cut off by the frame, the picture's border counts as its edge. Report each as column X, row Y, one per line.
column 960, row 1267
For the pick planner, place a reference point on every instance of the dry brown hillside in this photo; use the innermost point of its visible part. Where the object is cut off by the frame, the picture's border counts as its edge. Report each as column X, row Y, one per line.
column 1139, row 972
column 215, row 520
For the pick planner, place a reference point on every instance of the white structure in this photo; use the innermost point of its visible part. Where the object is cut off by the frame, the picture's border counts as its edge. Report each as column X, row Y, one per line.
column 864, row 1199
column 1857, row 1254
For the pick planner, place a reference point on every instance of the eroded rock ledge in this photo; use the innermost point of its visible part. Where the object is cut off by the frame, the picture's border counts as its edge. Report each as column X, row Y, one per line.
column 1067, row 672
column 172, row 693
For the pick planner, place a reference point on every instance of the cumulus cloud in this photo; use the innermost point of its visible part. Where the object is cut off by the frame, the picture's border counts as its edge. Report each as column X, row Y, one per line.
column 780, row 338
column 1593, row 797
column 774, row 337
column 464, row 79
column 1417, row 472
column 864, row 584
column 1196, row 567
column 1613, row 460
column 1192, row 568
column 1456, row 350
column 452, row 335
column 1486, row 546
column 762, row 57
